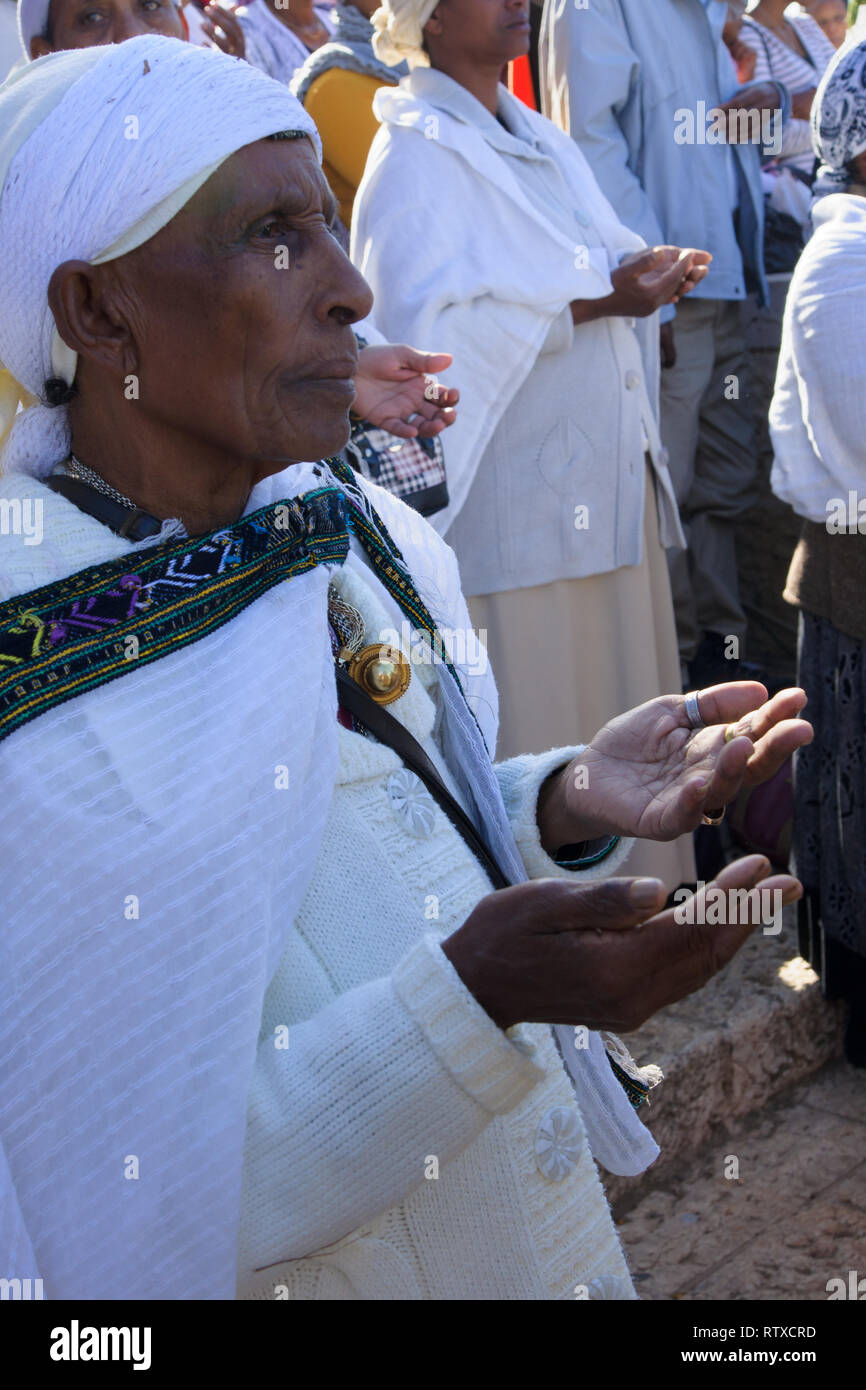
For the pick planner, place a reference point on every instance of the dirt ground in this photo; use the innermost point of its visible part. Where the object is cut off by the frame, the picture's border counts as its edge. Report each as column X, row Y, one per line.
column 774, row 1209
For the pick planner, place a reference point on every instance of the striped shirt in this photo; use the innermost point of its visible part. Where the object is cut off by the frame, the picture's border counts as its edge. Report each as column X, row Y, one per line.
column 779, row 63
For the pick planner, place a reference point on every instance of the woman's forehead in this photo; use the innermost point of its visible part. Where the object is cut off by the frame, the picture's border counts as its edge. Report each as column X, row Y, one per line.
column 266, row 169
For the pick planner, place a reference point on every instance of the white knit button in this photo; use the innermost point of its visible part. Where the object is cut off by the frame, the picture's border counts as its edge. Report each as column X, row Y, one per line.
column 608, row 1286
column 411, row 803
column 632, row 381
column 558, row 1142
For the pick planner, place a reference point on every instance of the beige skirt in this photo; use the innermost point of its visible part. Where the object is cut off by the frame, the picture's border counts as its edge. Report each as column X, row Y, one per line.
column 568, row 656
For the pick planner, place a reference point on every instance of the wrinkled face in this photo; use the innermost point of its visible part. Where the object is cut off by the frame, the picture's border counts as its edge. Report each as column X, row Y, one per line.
column 832, row 17
column 488, row 32
column 87, row 23
column 240, row 309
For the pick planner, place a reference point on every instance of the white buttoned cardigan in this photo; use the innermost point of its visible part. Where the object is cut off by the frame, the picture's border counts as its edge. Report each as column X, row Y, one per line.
column 399, row 1144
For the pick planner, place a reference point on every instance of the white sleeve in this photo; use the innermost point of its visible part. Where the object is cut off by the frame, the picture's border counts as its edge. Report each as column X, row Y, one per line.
column 796, row 137
column 520, row 780
column 341, row 1121
column 825, row 324
column 257, row 53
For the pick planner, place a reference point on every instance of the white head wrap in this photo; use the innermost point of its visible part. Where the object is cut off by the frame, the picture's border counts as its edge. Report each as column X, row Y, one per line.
column 32, row 21
column 839, row 119
column 99, row 149
column 398, row 35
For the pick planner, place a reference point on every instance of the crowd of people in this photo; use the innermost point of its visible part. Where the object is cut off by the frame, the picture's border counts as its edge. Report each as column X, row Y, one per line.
column 341, row 988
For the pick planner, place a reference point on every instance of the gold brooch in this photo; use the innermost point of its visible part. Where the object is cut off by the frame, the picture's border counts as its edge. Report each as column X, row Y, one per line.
column 379, row 669
column 382, row 671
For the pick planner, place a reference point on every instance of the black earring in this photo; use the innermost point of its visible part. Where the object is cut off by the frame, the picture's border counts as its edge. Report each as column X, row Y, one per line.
column 58, row 392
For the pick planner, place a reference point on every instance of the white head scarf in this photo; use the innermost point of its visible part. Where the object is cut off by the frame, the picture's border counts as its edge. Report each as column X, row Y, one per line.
column 839, row 119
column 32, row 21
column 398, row 36
column 96, row 156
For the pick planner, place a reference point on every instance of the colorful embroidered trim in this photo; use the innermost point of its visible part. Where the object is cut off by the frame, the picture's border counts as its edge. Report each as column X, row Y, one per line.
column 635, row 1090
column 73, row 635
column 68, row 637
column 585, row 861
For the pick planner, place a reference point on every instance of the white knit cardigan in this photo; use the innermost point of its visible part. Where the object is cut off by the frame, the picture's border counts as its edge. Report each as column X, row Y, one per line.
column 399, row 1145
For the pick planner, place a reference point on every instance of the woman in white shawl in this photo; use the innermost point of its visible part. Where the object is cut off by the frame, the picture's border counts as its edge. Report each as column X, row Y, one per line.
column 478, row 221
column 818, row 423
column 256, row 991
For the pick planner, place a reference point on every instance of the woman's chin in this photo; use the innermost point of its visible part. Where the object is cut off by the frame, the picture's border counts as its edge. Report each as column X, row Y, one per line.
column 308, row 449
column 334, row 440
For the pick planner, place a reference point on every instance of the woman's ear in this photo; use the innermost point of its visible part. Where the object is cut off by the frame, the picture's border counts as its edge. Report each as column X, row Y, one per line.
column 87, row 316
column 433, row 25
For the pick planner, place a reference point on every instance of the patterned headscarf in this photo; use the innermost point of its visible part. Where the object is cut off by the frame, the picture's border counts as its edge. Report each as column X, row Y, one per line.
column 839, row 119
column 399, row 36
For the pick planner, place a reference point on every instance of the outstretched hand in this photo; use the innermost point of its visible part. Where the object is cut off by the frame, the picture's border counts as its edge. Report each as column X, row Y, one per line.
column 645, row 280
column 647, row 773
column 396, row 391
column 607, row 954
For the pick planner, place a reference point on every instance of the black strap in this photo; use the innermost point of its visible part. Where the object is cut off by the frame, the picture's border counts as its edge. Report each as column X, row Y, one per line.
column 391, row 732
column 133, row 525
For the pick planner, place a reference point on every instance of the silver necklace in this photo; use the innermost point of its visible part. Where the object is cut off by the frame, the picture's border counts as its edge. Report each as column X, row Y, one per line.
column 76, row 469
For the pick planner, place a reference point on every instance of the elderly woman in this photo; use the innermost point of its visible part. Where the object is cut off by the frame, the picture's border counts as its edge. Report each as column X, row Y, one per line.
column 561, row 501
column 388, row 374
column 818, row 422
column 281, row 1011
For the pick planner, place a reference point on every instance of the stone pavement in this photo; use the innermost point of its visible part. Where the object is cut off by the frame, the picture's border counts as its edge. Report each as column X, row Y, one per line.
column 757, row 1028
column 773, row 1210
column 760, row 1191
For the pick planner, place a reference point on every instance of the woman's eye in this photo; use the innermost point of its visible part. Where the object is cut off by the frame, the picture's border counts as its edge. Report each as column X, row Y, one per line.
column 284, row 227
column 91, row 17
column 271, row 229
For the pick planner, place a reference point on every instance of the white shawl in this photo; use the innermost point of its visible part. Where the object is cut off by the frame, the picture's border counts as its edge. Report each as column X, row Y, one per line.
column 501, row 249
column 154, row 861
